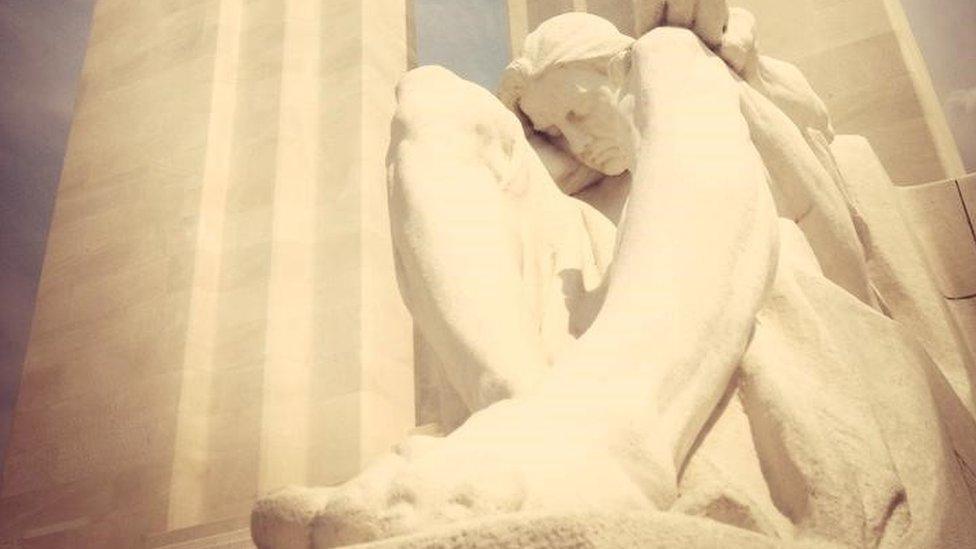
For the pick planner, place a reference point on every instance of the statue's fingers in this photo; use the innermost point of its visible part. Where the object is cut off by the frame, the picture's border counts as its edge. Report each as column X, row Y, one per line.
column 649, row 15
column 710, row 21
column 680, row 13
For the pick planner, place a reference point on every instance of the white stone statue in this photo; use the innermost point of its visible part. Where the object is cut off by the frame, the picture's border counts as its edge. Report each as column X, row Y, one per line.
column 655, row 315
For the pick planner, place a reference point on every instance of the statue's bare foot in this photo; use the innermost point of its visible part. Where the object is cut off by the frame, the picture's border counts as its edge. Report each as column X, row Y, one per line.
column 512, row 456
column 283, row 519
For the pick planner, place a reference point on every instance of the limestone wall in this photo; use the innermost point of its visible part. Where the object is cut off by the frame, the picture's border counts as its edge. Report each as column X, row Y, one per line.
column 943, row 214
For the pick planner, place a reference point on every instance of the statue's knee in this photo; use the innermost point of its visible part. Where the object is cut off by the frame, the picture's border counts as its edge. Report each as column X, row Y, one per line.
column 675, row 58
column 417, row 85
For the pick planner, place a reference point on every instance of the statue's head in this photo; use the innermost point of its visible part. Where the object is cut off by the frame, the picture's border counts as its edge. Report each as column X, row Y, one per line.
column 562, row 85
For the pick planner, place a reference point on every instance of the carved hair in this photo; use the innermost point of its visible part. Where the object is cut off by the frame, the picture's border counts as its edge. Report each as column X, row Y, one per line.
column 567, row 38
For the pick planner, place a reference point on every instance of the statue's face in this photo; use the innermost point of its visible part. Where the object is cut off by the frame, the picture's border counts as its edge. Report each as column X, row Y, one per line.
column 576, row 106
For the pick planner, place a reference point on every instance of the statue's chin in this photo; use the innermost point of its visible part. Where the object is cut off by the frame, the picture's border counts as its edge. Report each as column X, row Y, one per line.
column 612, row 166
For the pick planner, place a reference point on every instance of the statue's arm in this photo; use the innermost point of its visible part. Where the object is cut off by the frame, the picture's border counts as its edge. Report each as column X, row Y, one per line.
column 792, row 130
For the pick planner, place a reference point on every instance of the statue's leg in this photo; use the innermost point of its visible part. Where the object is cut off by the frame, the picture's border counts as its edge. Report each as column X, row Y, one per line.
column 461, row 236
column 483, row 238
column 696, row 255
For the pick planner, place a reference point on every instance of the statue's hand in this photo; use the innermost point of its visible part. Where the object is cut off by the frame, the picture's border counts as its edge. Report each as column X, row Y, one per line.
column 570, row 175
column 781, row 82
column 730, row 32
column 706, row 18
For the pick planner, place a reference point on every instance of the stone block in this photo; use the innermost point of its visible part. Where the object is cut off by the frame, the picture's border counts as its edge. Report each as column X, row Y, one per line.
column 939, row 221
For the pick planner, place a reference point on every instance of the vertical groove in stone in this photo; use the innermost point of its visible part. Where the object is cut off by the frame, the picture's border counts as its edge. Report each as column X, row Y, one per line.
column 187, row 490
column 332, row 453
column 288, row 418
column 386, row 329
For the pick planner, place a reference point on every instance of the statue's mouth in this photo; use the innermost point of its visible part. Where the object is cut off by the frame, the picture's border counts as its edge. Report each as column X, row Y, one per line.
column 593, row 157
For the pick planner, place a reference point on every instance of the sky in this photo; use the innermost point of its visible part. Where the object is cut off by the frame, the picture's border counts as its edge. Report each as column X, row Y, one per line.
column 470, row 37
